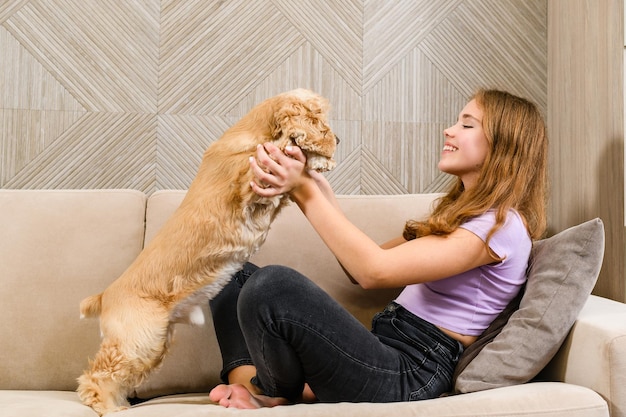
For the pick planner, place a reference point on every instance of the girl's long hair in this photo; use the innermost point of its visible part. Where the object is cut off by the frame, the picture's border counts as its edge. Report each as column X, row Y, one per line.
column 513, row 175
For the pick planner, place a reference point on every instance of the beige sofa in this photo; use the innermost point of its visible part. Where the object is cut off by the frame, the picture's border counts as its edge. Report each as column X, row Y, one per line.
column 57, row 247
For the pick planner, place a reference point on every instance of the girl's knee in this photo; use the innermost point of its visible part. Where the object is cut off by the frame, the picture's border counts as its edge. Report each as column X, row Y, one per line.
column 273, row 282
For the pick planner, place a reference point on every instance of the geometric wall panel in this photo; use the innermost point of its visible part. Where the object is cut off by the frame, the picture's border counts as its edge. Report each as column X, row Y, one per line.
column 27, row 84
column 100, row 150
column 128, row 94
column 25, row 134
column 335, row 29
column 182, row 142
column 477, row 45
column 104, row 53
column 209, row 48
column 393, row 29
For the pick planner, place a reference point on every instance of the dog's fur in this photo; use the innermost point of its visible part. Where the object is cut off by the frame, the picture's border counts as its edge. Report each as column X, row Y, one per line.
column 218, row 226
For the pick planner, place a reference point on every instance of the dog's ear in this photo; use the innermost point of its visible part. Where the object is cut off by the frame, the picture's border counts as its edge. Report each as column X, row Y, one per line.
column 288, row 108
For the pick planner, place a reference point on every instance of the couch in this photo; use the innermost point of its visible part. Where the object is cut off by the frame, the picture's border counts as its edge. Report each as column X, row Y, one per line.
column 58, row 246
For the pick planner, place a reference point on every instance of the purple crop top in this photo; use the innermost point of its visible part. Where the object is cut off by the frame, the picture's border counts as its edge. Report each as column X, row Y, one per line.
column 467, row 303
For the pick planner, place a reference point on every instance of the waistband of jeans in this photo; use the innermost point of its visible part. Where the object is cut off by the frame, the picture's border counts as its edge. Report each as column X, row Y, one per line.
column 432, row 330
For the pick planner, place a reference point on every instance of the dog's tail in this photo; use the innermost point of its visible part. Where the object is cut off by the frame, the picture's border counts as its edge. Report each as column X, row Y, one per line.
column 91, row 306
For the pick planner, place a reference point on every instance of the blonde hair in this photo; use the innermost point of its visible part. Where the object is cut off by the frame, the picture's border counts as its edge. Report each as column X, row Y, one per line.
column 513, row 175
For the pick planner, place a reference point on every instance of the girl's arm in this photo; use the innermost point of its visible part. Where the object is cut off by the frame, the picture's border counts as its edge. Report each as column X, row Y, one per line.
column 393, row 265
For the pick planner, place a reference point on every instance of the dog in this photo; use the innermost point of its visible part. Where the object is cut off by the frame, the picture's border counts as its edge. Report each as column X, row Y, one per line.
column 220, row 223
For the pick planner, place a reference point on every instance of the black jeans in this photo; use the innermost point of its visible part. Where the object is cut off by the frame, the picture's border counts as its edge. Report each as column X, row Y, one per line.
column 293, row 332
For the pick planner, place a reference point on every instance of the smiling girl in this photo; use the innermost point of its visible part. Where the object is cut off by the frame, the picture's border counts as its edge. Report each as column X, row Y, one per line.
column 282, row 338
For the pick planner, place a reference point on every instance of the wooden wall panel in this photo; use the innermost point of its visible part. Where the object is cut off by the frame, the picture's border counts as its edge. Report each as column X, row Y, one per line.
column 129, row 93
column 585, row 120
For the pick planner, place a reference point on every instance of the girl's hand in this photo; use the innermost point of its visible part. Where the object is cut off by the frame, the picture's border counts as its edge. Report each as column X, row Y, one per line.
column 277, row 172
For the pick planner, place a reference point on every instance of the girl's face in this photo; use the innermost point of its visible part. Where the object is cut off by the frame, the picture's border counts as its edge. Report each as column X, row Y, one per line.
column 465, row 147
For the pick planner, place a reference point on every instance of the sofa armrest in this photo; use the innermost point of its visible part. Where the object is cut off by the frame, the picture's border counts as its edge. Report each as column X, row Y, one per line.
column 594, row 353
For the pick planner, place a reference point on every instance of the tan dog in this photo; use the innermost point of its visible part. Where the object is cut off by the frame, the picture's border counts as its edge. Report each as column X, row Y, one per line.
column 218, row 226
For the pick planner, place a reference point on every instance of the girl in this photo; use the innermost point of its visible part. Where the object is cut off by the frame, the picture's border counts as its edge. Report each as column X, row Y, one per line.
column 282, row 338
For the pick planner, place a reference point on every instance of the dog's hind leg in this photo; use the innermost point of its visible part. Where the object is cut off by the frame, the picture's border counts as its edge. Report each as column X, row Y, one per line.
column 121, row 365
column 102, row 387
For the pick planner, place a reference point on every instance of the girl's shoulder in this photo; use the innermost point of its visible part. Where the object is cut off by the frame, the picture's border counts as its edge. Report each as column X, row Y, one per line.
column 514, row 226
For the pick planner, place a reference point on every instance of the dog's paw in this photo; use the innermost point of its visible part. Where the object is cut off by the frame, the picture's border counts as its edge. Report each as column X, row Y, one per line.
column 108, row 411
column 319, row 163
column 106, row 408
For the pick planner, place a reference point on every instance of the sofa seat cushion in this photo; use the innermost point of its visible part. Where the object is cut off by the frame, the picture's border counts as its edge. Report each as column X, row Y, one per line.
column 43, row 403
column 536, row 399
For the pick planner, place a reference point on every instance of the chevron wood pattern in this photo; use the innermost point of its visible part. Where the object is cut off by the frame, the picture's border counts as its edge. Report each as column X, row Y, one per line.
column 111, row 94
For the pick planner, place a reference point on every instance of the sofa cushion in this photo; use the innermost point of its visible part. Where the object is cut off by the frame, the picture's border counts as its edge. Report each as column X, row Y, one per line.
column 547, row 399
column 193, row 363
column 57, row 247
column 562, row 273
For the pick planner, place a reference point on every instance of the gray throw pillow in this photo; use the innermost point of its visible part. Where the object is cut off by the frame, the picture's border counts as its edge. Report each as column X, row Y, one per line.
column 563, row 270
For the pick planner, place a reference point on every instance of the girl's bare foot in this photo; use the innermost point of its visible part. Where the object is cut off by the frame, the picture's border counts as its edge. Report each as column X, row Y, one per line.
column 238, row 396
column 308, row 396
